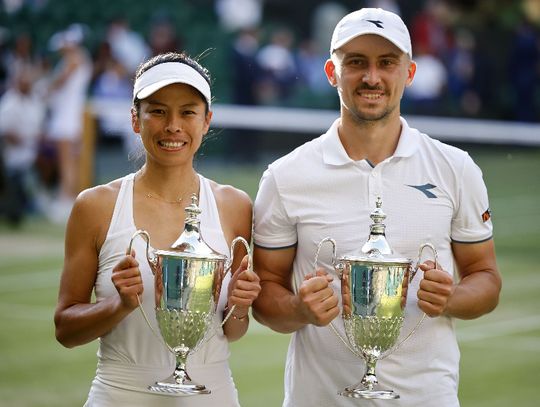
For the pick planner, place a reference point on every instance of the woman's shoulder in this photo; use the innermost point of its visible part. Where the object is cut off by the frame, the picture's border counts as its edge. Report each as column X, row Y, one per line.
column 235, row 210
column 230, row 196
column 103, row 195
column 95, row 205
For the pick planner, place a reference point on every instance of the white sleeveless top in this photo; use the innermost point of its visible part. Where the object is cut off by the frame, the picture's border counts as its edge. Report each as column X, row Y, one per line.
column 131, row 356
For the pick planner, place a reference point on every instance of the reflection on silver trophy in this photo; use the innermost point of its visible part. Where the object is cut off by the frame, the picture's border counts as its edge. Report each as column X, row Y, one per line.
column 373, row 290
column 187, row 283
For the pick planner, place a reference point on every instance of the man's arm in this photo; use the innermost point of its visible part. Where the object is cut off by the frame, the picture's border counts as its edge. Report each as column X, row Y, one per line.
column 277, row 306
column 477, row 291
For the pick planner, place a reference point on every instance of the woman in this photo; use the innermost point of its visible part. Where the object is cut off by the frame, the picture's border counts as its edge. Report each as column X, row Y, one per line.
column 171, row 113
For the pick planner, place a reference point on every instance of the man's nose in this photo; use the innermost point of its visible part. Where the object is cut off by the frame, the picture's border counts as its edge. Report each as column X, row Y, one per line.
column 371, row 76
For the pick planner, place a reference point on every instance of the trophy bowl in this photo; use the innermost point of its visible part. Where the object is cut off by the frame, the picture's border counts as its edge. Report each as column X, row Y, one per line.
column 187, row 284
column 372, row 293
column 373, row 290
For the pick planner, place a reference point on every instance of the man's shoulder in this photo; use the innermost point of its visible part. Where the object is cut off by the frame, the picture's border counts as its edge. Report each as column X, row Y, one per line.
column 299, row 158
column 433, row 146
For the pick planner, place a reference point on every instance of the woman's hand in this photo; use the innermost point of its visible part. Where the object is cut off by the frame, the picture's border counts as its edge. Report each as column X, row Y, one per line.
column 127, row 280
column 244, row 288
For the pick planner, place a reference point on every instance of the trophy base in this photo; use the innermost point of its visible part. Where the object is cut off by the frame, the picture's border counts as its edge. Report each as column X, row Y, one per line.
column 179, row 389
column 361, row 393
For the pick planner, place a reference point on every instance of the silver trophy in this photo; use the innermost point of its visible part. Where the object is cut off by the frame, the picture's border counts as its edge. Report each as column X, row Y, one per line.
column 373, row 290
column 187, row 283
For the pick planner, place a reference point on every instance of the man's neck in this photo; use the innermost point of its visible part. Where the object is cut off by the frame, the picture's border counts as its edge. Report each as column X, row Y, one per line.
column 370, row 140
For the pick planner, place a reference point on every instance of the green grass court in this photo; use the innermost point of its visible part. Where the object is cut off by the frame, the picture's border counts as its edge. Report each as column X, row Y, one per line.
column 500, row 352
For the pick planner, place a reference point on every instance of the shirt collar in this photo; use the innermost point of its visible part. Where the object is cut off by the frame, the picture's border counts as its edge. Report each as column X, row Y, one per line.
column 334, row 153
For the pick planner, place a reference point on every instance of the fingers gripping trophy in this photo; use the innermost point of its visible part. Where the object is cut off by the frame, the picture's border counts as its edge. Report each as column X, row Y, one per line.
column 187, row 283
column 373, row 289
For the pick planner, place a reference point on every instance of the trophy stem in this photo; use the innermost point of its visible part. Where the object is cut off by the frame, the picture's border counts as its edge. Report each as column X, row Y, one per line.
column 369, row 381
column 179, row 382
column 368, row 388
column 180, row 374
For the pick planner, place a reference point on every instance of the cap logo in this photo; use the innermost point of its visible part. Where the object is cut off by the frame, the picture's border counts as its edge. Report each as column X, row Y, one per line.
column 378, row 23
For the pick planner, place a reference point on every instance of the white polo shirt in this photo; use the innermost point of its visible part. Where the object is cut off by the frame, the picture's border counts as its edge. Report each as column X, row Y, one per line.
column 431, row 192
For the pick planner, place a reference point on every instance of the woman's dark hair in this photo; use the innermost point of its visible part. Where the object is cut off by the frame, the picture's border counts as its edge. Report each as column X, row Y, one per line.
column 180, row 57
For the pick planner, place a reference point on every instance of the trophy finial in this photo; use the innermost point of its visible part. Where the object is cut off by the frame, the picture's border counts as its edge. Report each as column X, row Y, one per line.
column 377, row 243
column 378, row 216
column 193, row 211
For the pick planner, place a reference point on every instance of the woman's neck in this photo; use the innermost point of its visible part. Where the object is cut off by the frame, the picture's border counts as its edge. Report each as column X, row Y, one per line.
column 172, row 185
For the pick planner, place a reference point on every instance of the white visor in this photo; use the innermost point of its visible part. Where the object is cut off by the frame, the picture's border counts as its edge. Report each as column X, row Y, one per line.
column 167, row 73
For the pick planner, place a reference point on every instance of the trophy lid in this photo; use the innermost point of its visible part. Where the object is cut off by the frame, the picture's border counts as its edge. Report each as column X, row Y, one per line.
column 377, row 248
column 191, row 243
column 377, row 243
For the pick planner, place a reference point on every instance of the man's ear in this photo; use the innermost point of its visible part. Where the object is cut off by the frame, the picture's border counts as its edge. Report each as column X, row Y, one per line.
column 330, row 70
column 411, row 71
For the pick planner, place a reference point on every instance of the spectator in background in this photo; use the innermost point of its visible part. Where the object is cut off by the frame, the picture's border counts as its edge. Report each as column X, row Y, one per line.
column 524, row 71
column 278, row 68
column 465, row 82
column 112, row 86
column 163, row 36
column 427, row 92
column 68, row 93
column 22, row 114
column 237, row 15
column 20, row 55
column 127, row 46
column 242, row 145
column 431, row 29
column 245, row 69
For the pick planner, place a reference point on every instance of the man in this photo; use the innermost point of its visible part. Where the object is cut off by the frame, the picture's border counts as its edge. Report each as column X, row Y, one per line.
column 431, row 192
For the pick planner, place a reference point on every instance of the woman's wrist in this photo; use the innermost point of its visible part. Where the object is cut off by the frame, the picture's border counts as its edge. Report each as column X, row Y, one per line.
column 235, row 314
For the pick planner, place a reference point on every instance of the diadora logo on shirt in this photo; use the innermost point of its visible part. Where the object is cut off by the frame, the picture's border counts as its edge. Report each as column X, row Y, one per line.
column 378, row 23
column 425, row 189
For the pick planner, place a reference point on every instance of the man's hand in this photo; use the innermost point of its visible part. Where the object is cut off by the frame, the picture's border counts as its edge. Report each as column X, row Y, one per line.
column 318, row 301
column 435, row 289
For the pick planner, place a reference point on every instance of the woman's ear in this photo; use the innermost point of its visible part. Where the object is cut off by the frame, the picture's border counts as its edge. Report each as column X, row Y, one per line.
column 207, row 121
column 135, row 120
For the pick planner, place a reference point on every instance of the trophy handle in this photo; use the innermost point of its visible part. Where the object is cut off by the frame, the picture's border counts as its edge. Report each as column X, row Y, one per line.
column 420, row 250
column 338, row 268
column 153, row 261
column 413, row 273
column 229, row 266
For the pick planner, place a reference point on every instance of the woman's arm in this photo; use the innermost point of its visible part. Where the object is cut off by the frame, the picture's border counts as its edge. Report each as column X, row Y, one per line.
column 235, row 210
column 78, row 320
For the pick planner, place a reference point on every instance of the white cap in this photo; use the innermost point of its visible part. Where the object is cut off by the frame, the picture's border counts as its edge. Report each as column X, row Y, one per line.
column 372, row 21
column 168, row 73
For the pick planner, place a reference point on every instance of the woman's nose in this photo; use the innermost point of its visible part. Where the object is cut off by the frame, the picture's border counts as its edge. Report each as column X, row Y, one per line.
column 174, row 124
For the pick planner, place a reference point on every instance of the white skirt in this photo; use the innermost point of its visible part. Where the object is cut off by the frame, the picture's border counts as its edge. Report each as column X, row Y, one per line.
column 110, row 387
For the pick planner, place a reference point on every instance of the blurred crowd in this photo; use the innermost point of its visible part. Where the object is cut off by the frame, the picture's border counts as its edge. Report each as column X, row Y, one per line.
column 475, row 59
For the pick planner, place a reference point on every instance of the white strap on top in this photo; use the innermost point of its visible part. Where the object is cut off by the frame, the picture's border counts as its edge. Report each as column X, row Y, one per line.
column 210, row 222
column 123, row 209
